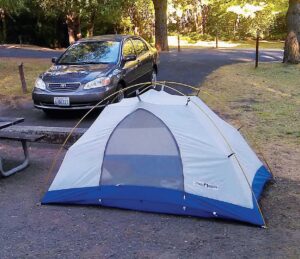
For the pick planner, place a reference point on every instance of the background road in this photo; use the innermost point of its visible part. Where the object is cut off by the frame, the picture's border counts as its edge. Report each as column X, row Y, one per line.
column 190, row 66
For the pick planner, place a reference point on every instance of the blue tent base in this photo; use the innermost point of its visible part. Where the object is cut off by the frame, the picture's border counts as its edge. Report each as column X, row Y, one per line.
column 262, row 176
column 161, row 200
column 151, row 199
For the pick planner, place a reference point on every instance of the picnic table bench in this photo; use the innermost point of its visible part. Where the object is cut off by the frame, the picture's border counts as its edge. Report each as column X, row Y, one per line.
column 6, row 121
column 21, row 137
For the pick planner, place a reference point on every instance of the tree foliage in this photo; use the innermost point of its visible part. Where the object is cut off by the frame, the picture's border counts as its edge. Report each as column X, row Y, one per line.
column 54, row 22
column 233, row 19
column 7, row 9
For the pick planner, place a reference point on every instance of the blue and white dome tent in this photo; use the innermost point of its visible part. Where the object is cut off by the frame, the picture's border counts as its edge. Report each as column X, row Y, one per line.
column 163, row 153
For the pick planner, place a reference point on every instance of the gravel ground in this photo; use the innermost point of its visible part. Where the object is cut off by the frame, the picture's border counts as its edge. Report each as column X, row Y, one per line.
column 33, row 231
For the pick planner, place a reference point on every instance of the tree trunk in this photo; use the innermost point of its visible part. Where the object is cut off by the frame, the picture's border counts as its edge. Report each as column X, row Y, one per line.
column 236, row 26
column 73, row 23
column 91, row 24
column 196, row 18
column 204, row 14
column 161, row 30
column 3, row 21
column 291, row 49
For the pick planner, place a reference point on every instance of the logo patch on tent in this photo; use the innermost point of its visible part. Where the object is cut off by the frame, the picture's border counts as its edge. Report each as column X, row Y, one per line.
column 206, row 185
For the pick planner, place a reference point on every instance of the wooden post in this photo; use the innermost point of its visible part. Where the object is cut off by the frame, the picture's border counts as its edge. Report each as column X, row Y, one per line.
column 22, row 77
column 178, row 40
column 217, row 38
column 257, row 49
column 20, row 41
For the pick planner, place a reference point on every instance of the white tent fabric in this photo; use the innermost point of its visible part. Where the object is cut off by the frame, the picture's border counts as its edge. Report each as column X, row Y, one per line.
column 218, row 166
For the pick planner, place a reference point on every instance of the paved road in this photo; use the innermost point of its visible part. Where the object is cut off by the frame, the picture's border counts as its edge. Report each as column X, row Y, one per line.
column 190, row 66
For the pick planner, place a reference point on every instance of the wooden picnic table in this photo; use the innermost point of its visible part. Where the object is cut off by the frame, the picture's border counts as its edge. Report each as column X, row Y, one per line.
column 21, row 137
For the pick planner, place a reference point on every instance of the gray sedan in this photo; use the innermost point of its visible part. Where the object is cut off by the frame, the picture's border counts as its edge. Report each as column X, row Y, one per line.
column 92, row 69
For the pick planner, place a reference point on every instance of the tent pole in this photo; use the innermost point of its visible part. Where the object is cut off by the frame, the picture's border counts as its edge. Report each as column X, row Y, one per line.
column 248, row 134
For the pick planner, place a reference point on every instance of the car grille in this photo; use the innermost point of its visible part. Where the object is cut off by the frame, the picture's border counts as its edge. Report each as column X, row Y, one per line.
column 63, row 86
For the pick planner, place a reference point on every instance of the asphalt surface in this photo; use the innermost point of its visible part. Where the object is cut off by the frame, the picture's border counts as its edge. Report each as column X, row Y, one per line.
column 190, row 66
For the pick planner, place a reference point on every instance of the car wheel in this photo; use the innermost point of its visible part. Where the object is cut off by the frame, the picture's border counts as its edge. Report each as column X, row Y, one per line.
column 120, row 95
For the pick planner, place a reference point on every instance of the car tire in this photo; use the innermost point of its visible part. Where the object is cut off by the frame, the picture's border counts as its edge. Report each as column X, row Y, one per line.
column 153, row 78
column 49, row 113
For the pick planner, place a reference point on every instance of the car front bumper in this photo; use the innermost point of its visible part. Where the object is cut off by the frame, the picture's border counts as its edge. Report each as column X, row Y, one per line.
column 78, row 100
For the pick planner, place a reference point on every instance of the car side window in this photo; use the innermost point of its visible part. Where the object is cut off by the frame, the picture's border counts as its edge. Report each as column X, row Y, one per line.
column 140, row 47
column 128, row 48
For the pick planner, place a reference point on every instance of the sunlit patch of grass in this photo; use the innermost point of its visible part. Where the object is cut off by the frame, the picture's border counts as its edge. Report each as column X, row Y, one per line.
column 265, row 100
column 10, row 84
column 186, row 41
column 262, row 44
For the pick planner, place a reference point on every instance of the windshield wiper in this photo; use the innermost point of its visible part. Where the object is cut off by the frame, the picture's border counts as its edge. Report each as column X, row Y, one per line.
column 84, row 63
column 90, row 62
column 66, row 63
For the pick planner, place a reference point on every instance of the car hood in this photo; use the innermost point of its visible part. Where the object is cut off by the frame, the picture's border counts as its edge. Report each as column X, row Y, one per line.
column 76, row 73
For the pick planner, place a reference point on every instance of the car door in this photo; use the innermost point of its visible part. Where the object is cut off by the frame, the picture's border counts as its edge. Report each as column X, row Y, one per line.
column 144, row 59
column 129, row 67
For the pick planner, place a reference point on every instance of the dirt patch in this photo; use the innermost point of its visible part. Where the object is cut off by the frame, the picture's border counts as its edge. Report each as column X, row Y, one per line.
column 8, row 102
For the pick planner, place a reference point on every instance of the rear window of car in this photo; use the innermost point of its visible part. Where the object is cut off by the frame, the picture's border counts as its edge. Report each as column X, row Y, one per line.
column 91, row 53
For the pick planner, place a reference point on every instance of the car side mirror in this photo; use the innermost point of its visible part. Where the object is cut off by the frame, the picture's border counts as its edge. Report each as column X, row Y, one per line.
column 129, row 58
column 54, row 60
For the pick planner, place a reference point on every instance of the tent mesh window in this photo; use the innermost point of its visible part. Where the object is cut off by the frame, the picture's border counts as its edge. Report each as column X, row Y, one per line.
column 142, row 151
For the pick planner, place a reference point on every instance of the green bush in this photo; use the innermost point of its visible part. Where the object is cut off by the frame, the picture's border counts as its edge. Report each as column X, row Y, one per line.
column 277, row 36
column 194, row 37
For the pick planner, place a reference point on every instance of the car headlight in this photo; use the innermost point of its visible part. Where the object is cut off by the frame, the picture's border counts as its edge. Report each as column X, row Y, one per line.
column 99, row 82
column 39, row 83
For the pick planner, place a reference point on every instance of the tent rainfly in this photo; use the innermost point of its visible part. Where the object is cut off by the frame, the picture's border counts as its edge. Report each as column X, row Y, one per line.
column 163, row 153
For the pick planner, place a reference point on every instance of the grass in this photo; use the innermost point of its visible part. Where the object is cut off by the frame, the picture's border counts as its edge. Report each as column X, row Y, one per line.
column 185, row 41
column 266, row 101
column 263, row 44
column 10, row 84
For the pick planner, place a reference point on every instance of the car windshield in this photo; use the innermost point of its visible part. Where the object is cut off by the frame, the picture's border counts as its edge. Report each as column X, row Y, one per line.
column 91, row 53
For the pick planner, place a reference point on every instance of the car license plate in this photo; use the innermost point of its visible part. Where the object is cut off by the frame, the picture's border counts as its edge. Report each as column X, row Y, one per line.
column 62, row 101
